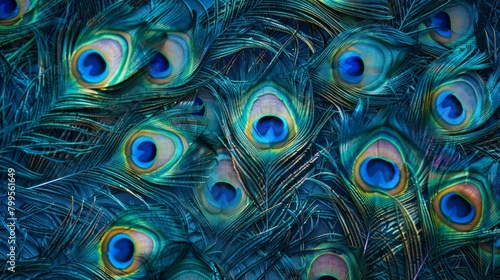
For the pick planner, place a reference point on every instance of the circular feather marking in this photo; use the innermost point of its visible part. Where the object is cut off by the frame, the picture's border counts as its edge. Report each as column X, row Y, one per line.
column 449, row 108
column 199, row 102
column 442, row 22
column 92, row 66
column 328, row 266
column 363, row 65
column 121, row 251
column 159, row 67
column 379, row 172
column 173, row 62
column 223, row 195
column 456, row 105
column 102, row 61
column 147, row 151
column 12, row 11
column 459, row 206
column 381, row 167
column 269, row 129
column 270, row 122
column 451, row 25
column 351, row 67
column 124, row 250
column 143, row 152
column 9, row 9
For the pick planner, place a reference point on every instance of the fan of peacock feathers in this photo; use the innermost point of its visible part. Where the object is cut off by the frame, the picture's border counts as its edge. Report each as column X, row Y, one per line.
column 250, row 139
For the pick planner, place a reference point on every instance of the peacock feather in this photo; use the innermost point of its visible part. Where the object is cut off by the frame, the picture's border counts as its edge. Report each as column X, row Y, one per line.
column 250, row 139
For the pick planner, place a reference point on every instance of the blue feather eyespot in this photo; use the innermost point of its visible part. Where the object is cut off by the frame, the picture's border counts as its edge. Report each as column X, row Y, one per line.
column 329, row 266
column 459, row 206
column 159, row 67
column 92, row 66
column 199, row 102
column 12, row 11
column 143, row 152
column 451, row 26
column 103, row 61
column 269, row 129
column 441, row 21
column 380, row 167
column 270, row 121
column 457, row 104
column 147, row 151
column 124, row 250
column 351, row 67
column 381, row 173
column 450, row 108
column 121, row 251
column 363, row 65
column 222, row 196
column 173, row 64
column 9, row 9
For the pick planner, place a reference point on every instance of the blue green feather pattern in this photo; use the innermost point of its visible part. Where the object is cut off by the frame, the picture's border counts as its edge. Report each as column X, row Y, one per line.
column 250, row 139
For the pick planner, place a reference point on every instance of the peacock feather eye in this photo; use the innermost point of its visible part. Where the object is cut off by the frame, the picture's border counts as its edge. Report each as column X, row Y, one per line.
column 173, row 61
column 223, row 195
column 270, row 122
column 199, row 103
column 12, row 11
column 148, row 151
column 124, row 250
column 452, row 25
column 459, row 206
column 458, row 103
column 381, row 167
column 102, row 61
column 159, row 67
column 362, row 65
column 329, row 266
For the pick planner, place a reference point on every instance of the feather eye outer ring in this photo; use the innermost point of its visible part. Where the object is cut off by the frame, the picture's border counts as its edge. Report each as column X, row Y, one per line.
column 381, row 167
column 124, row 250
column 362, row 65
column 11, row 11
column 459, row 206
column 328, row 266
column 172, row 62
column 223, row 194
column 147, row 151
column 455, row 104
column 451, row 25
column 102, row 61
column 269, row 122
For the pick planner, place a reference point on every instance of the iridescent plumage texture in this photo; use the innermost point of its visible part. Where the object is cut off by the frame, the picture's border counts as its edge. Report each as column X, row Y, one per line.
column 250, row 139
